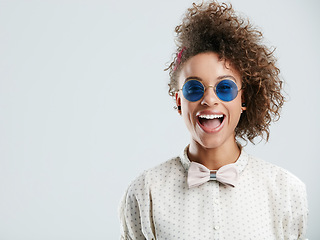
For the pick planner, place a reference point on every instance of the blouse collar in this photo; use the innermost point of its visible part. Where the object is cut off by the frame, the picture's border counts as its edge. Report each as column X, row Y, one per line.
column 241, row 162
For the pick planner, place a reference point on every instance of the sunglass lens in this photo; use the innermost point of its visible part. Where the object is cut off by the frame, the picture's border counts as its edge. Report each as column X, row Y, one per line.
column 227, row 90
column 193, row 90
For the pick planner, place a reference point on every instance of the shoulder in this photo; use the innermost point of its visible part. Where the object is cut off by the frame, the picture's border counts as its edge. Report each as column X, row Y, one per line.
column 156, row 176
column 286, row 194
column 275, row 176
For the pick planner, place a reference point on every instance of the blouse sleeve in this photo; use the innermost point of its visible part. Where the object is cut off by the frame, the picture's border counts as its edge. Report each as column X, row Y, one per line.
column 303, row 218
column 296, row 222
column 135, row 212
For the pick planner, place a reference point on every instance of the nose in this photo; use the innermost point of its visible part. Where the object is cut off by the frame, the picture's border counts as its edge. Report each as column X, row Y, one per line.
column 209, row 97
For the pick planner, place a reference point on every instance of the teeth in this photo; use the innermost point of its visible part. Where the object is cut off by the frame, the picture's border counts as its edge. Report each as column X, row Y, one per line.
column 211, row 116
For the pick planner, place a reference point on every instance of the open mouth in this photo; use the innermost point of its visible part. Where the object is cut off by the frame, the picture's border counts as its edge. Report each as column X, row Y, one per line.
column 210, row 122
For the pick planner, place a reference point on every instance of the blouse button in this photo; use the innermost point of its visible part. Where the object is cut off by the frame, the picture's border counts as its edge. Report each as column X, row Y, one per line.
column 216, row 228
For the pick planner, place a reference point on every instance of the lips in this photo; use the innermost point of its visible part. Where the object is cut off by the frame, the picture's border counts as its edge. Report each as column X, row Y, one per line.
column 210, row 122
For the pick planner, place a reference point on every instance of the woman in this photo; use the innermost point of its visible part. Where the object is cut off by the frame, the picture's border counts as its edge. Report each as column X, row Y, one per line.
column 226, row 87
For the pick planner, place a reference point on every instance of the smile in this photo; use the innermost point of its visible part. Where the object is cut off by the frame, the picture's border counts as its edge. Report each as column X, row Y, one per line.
column 210, row 123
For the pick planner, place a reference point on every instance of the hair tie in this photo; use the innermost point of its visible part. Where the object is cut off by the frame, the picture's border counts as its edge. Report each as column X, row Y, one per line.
column 179, row 58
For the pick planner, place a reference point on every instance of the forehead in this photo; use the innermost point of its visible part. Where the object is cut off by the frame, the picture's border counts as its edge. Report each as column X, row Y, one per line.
column 208, row 67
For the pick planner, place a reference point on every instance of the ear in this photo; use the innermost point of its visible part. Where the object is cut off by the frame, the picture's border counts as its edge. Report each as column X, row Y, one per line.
column 178, row 101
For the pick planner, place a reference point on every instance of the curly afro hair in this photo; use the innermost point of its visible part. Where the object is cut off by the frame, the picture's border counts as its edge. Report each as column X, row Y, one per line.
column 215, row 27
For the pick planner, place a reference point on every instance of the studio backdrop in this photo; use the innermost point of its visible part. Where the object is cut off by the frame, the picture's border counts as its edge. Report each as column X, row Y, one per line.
column 84, row 107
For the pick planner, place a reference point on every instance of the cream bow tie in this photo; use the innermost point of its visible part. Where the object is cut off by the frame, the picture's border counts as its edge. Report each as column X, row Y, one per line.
column 199, row 174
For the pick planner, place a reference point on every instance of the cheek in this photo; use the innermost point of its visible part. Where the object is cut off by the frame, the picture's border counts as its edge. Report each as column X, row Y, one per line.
column 185, row 105
column 187, row 110
column 235, row 112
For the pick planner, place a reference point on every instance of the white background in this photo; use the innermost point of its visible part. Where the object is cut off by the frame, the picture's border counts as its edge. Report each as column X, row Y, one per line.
column 84, row 107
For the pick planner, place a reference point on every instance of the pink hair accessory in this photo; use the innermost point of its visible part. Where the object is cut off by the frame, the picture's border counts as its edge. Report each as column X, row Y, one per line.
column 179, row 58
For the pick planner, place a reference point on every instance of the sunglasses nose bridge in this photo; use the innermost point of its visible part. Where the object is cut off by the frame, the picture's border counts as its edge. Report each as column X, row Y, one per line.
column 213, row 89
column 210, row 97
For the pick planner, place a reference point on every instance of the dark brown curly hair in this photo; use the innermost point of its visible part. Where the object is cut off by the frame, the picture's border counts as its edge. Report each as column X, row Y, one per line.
column 216, row 27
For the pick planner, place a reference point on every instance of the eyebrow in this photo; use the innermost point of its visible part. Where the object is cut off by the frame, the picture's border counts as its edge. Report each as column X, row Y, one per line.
column 218, row 78
column 193, row 77
column 227, row 76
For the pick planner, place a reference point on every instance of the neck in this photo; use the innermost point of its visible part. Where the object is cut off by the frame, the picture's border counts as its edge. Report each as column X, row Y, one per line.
column 214, row 158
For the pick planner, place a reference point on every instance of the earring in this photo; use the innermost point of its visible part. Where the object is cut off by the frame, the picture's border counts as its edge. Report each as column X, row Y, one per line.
column 179, row 108
column 241, row 110
column 243, row 104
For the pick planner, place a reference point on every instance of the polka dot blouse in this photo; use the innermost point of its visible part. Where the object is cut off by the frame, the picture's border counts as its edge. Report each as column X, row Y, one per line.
column 267, row 203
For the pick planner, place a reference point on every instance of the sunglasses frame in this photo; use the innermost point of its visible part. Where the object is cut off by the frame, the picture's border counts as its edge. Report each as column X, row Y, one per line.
column 210, row 86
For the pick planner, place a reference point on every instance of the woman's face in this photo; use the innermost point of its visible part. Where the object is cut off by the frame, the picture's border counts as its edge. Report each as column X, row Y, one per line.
column 210, row 120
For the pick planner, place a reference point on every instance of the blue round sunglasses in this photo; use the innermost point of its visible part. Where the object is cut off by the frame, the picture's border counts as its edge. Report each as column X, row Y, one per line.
column 226, row 90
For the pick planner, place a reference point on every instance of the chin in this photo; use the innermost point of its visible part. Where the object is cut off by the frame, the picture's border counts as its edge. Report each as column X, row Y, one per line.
column 210, row 143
